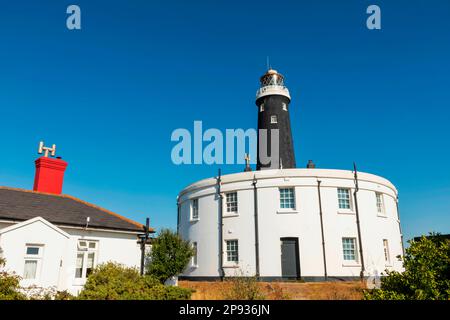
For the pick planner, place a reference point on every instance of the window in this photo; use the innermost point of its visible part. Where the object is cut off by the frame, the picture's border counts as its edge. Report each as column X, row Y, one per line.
column 79, row 266
column 284, row 106
column 194, row 257
column 287, row 198
column 349, row 249
column 344, row 198
column 380, row 203
column 232, row 251
column 387, row 257
column 90, row 263
column 82, row 245
column 33, row 250
column 194, row 210
column 33, row 257
column 261, row 108
column 232, row 204
column 273, row 119
column 30, row 269
column 86, row 258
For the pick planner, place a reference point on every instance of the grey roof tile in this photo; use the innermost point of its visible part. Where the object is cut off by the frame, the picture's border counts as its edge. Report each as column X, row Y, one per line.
column 20, row 205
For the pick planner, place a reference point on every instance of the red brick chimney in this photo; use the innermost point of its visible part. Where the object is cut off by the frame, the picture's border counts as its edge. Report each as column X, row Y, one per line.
column 49, row 175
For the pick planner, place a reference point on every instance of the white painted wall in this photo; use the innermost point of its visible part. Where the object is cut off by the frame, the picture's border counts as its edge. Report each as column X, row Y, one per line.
column 112, row 246
column 37, row 232
column 303, row 223
column 60, row 251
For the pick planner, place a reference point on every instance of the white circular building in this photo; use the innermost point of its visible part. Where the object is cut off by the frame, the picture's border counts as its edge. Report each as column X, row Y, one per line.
column 311, row 224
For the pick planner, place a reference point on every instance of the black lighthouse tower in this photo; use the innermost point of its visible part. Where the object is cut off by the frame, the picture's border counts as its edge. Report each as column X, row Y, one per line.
column 272, row 99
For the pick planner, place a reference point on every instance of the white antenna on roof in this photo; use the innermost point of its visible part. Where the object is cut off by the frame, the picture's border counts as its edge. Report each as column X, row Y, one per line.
column 45, row 150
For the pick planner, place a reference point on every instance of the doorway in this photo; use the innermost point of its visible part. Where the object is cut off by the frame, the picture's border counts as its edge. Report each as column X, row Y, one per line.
column 290, row 261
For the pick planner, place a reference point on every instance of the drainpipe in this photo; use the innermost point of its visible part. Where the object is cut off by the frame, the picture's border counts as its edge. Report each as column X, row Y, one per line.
column 321, row 229
column 178, row 215
column 399, row 226
column 219, row 181
column 357, row 222
column 255, row 197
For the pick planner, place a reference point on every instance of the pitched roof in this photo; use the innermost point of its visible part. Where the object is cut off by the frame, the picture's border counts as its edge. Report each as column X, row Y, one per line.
column 32, row 221
column 63, row 210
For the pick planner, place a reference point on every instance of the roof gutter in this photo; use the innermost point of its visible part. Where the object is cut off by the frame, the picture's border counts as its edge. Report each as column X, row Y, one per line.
column 66, row 226
column 63, row 226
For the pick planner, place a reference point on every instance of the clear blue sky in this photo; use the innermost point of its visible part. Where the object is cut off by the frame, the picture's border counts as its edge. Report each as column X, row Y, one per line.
column 111, row 94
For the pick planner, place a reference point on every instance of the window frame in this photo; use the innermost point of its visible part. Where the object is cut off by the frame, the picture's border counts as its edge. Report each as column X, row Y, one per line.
column 34, row 258
column 350, row 209
column 194, row 209
column 272, row 118
column 354, row 261
column 85, row 251
column 386, row 253
column 294, row 200
column 380, row 204
column 226, row 203
column 194, row 259
column 227, row 253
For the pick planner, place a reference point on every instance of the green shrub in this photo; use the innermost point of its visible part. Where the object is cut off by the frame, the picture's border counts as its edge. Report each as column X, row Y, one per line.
column 113, row 281
column 9, row 287
column 242, row 287
column 177, row 293
column 63, row 295
column 426, row 275
column 9, row 284
column 169, row 255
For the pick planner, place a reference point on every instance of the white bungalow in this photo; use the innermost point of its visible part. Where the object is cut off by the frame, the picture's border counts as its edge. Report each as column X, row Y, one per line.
column 55, row 240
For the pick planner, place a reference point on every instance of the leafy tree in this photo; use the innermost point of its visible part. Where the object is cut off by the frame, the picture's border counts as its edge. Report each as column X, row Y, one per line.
column 426, row 275
column 169, row 255
column 9, row 284
column 112, row 281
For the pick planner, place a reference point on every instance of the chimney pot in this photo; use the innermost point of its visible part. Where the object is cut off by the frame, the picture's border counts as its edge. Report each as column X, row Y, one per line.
column 310, row 164
column 49, row 175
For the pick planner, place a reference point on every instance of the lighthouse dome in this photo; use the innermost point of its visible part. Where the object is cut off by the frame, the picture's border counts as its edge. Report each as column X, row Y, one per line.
column 272, row 83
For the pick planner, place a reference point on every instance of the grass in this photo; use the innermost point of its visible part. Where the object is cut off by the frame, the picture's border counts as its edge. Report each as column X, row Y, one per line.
column 216, row 290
